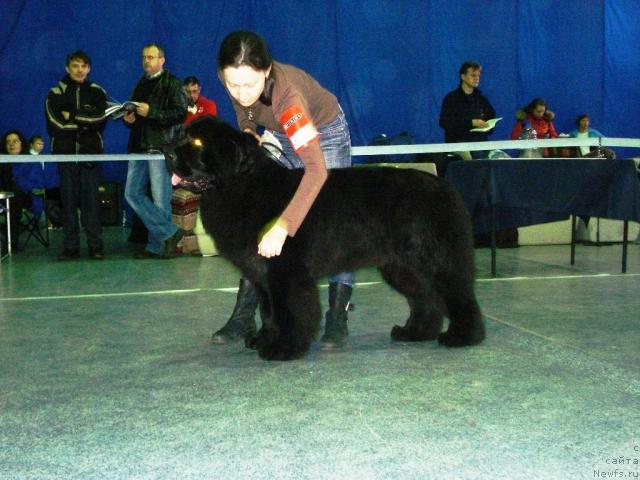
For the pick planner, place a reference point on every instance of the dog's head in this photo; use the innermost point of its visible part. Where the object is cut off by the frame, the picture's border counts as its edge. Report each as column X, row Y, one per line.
column 209, row 152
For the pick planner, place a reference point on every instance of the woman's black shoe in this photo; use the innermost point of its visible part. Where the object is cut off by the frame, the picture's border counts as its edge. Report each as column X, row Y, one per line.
column 242, row 321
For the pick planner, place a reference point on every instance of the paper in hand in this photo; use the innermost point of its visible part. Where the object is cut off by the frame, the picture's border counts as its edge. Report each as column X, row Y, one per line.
column 492, row 123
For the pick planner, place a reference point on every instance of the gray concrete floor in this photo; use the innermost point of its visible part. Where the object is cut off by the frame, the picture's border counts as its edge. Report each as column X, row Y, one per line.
column 106, row 373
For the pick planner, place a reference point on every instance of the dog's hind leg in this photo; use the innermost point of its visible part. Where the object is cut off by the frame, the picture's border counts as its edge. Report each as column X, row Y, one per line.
column 296, row 314
column 465, row 319
column 425, row 320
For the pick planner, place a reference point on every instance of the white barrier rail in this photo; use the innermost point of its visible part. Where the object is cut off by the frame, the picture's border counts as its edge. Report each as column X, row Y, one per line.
column 369, row 150
column 620, row 142
column 120, row 157
column 496, row 145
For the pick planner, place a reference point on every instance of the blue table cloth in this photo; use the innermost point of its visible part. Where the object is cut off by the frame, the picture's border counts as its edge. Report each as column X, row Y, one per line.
column 531, row 191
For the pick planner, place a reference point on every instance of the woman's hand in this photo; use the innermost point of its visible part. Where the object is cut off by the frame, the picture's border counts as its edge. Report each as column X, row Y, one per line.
column 257, row 137
column 273, row 239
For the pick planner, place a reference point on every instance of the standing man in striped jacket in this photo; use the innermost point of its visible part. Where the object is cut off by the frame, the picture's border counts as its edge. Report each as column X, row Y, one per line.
column 75, row 120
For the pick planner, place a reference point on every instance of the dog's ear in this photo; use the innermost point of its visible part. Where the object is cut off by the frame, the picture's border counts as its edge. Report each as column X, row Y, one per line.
column 247, row 148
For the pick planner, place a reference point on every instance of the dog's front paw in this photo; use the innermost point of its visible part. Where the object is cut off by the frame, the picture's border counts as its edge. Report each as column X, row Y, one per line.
column 399, row 334
column 264, row 337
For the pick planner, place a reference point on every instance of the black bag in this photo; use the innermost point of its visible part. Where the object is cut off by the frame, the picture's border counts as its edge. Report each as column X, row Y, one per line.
column 403, row 138
column 110, row 204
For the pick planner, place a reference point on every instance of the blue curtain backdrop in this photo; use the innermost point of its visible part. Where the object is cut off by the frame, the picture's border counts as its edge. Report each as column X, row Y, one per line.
column 390, row 63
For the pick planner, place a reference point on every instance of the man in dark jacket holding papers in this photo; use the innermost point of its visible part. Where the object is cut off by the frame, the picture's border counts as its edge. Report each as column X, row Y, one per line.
column 160, row 108
column 466, row 108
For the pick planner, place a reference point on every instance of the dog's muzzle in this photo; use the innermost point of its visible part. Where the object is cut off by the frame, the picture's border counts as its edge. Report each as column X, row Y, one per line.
column 196, row 184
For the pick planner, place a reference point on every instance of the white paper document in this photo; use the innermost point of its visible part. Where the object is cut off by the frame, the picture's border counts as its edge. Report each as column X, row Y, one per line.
column 492, row 123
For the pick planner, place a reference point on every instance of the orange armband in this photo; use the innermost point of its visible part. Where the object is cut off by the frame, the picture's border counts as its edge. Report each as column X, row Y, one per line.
column 298, row 127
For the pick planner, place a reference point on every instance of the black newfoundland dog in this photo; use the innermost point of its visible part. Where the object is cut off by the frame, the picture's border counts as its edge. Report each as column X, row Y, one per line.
column 411, row 225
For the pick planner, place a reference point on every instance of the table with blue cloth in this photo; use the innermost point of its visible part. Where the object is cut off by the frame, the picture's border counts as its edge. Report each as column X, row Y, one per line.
column 511, row 193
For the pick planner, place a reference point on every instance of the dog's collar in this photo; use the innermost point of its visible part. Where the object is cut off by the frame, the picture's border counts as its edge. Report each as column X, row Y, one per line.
column 198, row 185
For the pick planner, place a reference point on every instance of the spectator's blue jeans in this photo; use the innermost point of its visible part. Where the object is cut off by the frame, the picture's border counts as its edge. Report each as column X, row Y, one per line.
column 335, row 142
column 156, row 214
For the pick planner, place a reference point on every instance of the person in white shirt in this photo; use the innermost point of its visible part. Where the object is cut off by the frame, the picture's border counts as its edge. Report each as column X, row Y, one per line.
column 584, row 131
column 36, row 145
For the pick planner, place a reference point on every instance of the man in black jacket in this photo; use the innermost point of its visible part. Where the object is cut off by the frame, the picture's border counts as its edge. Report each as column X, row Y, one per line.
column 75, row 121
column 465, row 108
column 161, row 107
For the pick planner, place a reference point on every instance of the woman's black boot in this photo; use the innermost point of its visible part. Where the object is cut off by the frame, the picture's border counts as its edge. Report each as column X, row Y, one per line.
column 242, row 321
column 335, row 327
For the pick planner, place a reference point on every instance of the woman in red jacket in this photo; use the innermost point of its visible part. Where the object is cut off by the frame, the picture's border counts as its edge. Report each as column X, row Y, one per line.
column 536, row 116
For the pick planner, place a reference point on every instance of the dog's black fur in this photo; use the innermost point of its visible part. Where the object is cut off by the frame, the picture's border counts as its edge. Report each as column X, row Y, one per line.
column 411, row 225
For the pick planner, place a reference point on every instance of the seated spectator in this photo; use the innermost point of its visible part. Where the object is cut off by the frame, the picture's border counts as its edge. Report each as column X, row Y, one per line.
column 198, row 105
column 583, row 130
column 184, row 204
column 36, row 145
column 536, row 116
column 535, row 119
column 13, row 143
column 40, row 179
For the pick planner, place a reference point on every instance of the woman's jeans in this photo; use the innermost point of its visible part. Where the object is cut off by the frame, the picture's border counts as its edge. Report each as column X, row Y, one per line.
column 335, row 143
column 156, row 214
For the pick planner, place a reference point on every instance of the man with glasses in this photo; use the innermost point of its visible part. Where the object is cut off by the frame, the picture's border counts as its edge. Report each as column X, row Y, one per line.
column 161, row 107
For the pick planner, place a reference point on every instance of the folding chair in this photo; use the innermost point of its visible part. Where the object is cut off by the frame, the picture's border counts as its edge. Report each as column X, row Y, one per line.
column 32, row 225
column 5, row 211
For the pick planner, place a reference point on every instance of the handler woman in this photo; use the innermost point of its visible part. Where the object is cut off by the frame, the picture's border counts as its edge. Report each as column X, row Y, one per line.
column 312, row 130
